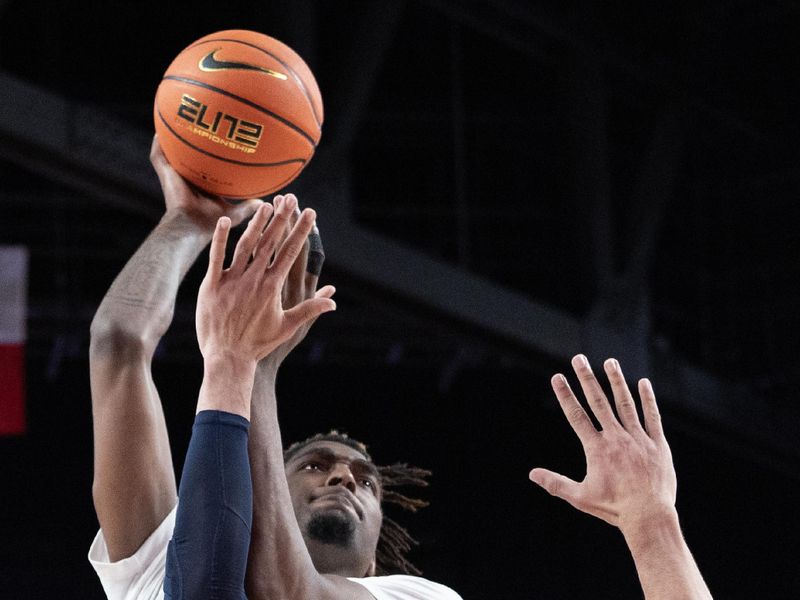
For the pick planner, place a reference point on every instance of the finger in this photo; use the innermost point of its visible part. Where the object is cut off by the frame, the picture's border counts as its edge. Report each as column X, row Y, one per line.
column 158, row 159
column 295, row 214
column 274, row 232
column 293, row 245
column 167, row 175
column 244, row 210
column 216, row 254
column 294, row 288
column 652, row 416
column 276, row 204
column 325, row 292
column 626, row 408
column 156, row 153
column 316, row 255
column 578, row 419
column 555, row 484
column 594, row 393
column 306, row 311
column 250, row 238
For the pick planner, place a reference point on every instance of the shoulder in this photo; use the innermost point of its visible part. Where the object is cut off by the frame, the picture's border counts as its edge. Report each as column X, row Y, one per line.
column 140, row 575
column 406, row 587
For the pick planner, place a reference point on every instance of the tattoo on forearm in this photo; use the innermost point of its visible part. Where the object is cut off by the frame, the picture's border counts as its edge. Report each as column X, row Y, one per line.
column 152, row 276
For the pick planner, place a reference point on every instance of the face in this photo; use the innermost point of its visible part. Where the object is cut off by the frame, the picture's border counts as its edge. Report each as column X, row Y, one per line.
column 337, row 501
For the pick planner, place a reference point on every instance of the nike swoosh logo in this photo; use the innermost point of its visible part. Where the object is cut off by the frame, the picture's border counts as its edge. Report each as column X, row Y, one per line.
column 210, row 63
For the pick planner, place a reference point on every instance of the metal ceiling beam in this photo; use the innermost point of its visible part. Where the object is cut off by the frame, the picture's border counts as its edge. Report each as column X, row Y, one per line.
column 84, row 149
column 77, row 145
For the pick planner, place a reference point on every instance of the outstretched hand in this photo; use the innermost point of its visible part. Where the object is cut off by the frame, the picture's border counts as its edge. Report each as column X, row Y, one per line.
column 300, row 285
column 239, row 309
column 629, row 471
column 202, row 208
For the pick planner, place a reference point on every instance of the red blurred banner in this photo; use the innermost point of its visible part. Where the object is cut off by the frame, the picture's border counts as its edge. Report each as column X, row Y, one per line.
column 13, row 315
column 12, row 389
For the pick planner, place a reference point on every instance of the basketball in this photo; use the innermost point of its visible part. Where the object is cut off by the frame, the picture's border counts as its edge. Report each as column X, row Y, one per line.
column 238, row 114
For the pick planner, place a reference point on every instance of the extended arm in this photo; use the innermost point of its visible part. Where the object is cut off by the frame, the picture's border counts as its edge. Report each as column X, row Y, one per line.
column 134, row 485
column 279, row 565
column 239, row 320
column 630, row 481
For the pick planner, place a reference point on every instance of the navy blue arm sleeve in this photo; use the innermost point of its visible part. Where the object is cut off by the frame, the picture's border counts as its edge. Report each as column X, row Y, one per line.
column 207, row 555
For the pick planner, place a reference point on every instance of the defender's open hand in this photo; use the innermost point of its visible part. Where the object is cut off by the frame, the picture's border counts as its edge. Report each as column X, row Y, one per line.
column 629, row 472
column 239, row 309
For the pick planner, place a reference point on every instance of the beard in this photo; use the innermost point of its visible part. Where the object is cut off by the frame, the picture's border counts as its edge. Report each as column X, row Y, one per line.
column 331, row 528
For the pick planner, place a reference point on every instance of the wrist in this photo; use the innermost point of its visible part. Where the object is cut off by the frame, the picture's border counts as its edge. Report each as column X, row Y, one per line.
column 226, row 365
column 268, row 367
column 227, row 384
column 188, row 220
column 651, row 526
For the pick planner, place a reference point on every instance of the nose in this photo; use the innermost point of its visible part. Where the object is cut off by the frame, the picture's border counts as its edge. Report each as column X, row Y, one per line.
column 340, row 475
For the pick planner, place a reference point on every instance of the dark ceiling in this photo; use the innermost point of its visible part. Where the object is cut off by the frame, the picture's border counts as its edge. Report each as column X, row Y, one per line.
column 633, row 168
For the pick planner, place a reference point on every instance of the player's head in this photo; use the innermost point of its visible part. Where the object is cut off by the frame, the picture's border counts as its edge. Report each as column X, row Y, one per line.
column 337, row 493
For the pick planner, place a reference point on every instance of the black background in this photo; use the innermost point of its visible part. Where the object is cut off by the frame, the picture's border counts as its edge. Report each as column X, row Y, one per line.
column 417, row 385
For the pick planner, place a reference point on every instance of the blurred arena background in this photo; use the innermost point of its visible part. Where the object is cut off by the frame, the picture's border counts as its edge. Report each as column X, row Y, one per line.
column 500, row 185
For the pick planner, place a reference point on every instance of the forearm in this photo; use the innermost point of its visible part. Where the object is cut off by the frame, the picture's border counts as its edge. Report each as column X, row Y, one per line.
column 141, row 300
column 134, row 484
column 278, row 564
column 212, row 527
column 666, row 568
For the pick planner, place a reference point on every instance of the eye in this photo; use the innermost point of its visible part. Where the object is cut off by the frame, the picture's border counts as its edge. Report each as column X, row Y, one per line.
column 311, row 466
column 370, row 485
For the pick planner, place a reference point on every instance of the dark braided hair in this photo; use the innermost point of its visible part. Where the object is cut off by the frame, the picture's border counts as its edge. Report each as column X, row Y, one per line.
column 394, row 542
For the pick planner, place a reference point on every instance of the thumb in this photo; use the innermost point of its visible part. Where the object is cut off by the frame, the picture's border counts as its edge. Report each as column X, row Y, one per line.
column 555, row 484
column 159, row 160
column 326, row 292
column 246, row 209
column 308, row 310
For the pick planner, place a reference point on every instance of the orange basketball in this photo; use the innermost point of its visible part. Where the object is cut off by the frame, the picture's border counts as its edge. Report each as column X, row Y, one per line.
column 238, row 114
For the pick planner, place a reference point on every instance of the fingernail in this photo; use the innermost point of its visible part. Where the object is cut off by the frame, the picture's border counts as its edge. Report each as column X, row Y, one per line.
column 580, row 362
column 612, row 365
column 558, row 381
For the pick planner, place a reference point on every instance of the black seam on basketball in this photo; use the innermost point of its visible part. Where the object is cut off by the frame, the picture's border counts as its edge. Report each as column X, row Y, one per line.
column 302, row 161
column 243, row 101
column 275, row 188
column 297, row 77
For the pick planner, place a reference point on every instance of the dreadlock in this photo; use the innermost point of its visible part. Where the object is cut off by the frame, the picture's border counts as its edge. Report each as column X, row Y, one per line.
column 394, row 542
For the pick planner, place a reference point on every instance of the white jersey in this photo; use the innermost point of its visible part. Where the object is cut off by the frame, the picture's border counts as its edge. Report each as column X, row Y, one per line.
column 141, row 576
